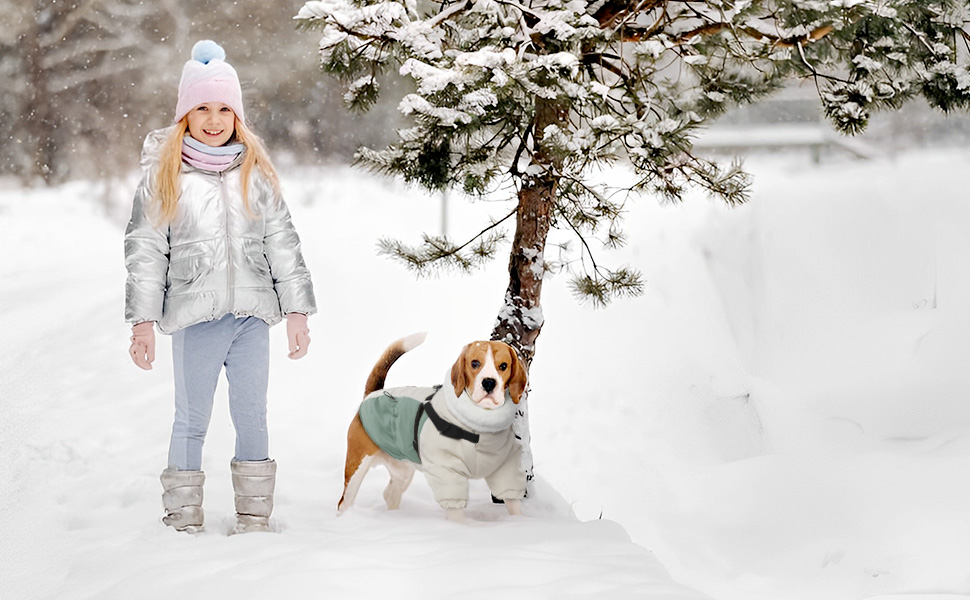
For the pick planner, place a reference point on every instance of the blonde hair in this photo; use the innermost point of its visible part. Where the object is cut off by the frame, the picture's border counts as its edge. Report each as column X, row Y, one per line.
column 167, row 188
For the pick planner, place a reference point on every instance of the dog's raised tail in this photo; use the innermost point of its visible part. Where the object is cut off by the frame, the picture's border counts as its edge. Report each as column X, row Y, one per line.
column 375, row 381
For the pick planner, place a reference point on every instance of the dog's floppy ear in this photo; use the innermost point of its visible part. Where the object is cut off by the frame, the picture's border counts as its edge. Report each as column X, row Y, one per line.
column 459, row 372
column 519, row 379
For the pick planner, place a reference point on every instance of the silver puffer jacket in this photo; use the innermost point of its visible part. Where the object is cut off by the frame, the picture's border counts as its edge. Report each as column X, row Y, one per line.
column 214, row 258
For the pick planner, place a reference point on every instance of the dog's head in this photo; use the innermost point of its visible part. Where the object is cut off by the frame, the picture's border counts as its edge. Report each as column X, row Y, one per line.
column 485, row 370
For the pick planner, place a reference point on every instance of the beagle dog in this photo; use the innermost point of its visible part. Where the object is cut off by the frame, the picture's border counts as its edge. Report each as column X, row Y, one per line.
column 454, row 432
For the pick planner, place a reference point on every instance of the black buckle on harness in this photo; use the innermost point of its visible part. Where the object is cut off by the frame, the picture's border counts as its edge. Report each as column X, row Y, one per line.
column 449, row 430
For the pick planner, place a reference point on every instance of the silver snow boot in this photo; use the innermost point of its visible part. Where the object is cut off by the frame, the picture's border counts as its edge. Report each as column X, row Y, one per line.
column 182, row 498
column 253, row 482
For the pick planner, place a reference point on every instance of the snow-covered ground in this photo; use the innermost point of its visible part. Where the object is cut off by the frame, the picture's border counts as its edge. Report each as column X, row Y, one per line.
column 783, row 415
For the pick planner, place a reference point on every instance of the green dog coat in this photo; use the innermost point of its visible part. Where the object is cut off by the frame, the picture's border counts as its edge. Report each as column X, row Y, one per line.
column 389, row 419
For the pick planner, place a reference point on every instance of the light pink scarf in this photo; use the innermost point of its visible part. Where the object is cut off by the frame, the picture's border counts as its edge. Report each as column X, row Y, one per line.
column 209, row 158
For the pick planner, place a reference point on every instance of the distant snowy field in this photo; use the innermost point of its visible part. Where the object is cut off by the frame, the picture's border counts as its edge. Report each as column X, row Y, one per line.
column 783, row 415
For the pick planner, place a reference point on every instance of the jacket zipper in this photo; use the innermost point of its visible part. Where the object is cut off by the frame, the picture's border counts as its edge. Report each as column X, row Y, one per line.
column 229, row 273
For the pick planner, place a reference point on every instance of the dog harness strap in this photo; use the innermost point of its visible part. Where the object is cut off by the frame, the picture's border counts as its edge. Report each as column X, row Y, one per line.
column 449, row 430
column 417, row 420
column 417, row 426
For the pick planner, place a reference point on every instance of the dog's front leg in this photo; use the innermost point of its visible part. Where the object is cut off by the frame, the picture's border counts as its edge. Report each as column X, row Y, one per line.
column 514, row 507
column 456, row 515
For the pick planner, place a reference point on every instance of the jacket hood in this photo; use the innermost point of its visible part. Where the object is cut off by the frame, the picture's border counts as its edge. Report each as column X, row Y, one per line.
column 152, row 147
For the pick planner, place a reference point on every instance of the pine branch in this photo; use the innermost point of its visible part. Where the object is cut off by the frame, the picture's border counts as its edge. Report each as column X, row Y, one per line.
column 605, row 286
column 438, row 252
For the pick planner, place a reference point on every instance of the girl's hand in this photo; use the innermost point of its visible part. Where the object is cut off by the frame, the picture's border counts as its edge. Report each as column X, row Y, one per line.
column 142, row 349
column 298, row 335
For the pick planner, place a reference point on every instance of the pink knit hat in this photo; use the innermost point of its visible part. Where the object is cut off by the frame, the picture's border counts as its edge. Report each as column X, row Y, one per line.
column 208, row 78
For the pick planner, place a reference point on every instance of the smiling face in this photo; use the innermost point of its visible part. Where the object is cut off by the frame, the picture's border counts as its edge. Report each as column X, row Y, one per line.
column 212, row 123
column 485, row 370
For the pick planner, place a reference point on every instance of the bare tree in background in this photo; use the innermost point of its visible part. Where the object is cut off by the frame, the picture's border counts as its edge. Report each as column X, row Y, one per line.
column 69, row 68
column 85, row 80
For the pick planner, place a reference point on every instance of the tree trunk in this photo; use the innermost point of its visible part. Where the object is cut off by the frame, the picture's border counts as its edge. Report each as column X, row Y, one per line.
column 37, row 116
column 520, row 319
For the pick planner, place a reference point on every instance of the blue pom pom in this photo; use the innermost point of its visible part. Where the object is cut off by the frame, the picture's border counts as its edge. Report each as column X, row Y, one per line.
column 207, row 50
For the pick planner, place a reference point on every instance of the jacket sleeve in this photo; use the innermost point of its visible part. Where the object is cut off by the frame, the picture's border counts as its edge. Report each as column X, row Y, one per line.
column 450, row 487
column 281, row 244
column 146, row 258
column 508, row 482
column 444, row 469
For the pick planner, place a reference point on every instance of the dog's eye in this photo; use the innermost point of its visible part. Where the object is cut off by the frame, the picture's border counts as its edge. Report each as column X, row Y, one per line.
column 503, row 366
column 476, row 364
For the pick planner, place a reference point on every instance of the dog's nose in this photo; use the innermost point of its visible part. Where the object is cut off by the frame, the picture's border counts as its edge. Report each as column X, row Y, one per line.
column 488, row 384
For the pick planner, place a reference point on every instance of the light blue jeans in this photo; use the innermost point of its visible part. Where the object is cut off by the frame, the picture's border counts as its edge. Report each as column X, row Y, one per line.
column 241, row 345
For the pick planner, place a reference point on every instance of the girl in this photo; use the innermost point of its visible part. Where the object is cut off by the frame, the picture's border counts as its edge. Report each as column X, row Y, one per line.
column 213, row 259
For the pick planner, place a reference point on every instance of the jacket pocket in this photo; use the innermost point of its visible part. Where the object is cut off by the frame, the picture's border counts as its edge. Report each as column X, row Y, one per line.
column 184, row 272
column 259, row 265
column 257, row 262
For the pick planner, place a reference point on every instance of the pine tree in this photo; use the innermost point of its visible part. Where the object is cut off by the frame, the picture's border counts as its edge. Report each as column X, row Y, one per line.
column 537, row 93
